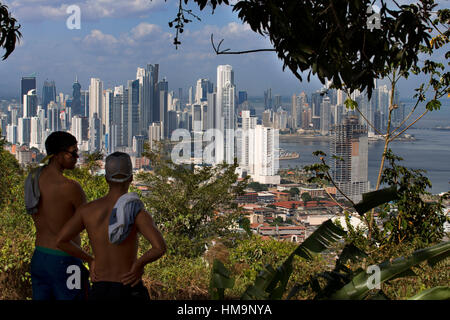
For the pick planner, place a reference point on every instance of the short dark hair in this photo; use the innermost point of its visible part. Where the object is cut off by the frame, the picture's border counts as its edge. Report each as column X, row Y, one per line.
column 59, row 141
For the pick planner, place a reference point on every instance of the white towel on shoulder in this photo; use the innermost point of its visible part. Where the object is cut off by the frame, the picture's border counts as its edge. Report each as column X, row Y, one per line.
column 123, row 216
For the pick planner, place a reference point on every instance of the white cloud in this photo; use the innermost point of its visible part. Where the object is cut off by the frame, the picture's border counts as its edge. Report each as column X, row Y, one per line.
column 145, row 29
column 98, row 38
column 38, row 10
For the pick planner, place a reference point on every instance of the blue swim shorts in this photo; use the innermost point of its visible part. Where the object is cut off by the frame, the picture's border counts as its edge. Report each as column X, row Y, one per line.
column 55, row 275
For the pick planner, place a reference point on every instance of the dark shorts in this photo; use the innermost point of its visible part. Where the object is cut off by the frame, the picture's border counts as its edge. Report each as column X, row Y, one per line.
column 105, row 290
column 56, row 275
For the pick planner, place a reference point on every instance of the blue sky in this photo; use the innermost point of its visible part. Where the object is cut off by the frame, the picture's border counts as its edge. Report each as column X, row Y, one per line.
column 117, row 36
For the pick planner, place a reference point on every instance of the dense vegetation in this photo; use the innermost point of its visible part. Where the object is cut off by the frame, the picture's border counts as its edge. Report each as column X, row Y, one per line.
column 186, row 273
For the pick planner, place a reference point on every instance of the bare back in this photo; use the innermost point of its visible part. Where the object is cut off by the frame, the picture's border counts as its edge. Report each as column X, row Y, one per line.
column 59, row 199
column 111, row 260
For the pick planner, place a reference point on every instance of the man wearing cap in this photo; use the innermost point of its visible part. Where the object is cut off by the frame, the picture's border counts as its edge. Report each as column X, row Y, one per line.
column 112, row 223
column 51, row 199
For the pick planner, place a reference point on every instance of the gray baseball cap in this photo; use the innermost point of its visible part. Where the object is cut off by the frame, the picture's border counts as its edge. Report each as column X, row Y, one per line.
column 118, row 163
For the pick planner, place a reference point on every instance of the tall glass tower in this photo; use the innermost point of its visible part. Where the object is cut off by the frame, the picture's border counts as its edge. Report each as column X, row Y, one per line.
column 226, row 105
column 76, row 101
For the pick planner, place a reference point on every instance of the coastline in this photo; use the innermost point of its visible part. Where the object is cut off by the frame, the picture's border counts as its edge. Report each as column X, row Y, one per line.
column 301, row 137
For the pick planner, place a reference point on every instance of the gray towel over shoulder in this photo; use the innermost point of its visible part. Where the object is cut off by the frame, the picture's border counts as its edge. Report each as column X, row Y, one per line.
column 32, row 192
column 123, row 216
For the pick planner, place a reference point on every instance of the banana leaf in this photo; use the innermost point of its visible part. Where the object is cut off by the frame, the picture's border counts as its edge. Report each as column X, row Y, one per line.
column 373, row 199
column 436, row 293
column 358, row 288
column 271, row 283
column 220, row 280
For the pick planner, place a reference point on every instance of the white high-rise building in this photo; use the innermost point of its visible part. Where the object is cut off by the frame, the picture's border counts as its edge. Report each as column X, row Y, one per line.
column 264, row 154
column 248, row 122
column 154, row 134
column 107, row 117
column 36, row 133
column 30, row 104
column 225, row 120
column 190, row 100
column 96, row 101
column 77, row 128
column 11, row 133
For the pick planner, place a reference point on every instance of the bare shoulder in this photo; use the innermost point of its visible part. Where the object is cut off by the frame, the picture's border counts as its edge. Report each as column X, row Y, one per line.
column 144, row 217
column 72, row 185
column 90, row 207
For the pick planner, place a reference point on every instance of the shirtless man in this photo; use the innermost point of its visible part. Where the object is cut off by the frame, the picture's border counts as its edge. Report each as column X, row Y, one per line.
column 117, row 271
column 58, row 200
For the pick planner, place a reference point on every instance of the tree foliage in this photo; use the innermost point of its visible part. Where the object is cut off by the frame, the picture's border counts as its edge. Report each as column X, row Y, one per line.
column 409, row 217
column 191, row 204
column 9, row 31
column 334, row 39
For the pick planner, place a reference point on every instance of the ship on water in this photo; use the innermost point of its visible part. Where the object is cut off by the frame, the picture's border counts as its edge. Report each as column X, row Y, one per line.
column 288, row 155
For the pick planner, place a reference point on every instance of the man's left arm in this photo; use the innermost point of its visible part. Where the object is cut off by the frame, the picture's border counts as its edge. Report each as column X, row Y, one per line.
column 70, row 230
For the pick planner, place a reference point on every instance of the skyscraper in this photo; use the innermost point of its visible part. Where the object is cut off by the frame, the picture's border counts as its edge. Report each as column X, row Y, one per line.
column 248, row 122
column 204, row 86
column 94, row 133
column 264, row 155
column 30, row 104
column 96, row 107
column 76, row 99
column 225, row 113
column 212, row 112
column 161, row 116
column 116, row 117
column 107, row 113
column 133, row 111
column 268, row 99
column 23, row 131
column 325, row 116
column 190, row 96
column 48, row 93
column 27, row 84
column 95, row 98
column 154, row 134
column 53, row 121
column 349, row 141
column 85, row 102
column 242, row 97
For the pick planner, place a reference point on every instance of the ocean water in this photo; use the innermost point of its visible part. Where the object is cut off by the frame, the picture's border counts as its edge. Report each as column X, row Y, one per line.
column 430, row 151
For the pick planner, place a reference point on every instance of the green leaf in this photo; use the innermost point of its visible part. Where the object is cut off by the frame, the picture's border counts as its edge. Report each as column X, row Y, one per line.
column 358, row 288
column 350, row 104
column 375, row 198
column 327, row 234
column 433, row 105
column 436, row 293
column 220, row 280
column 271, row 283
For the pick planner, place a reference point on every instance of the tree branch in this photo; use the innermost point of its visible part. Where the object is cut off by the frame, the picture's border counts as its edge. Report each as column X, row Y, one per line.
column 393, row 138
column 226, row 51
column 334, row 184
